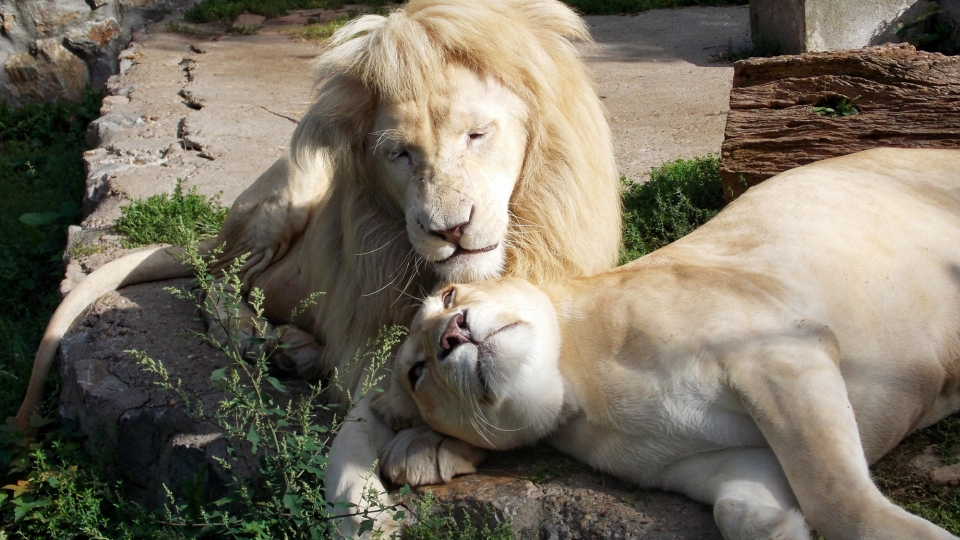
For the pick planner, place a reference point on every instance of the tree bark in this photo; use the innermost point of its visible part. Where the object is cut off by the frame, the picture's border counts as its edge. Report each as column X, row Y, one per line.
column 906, row 98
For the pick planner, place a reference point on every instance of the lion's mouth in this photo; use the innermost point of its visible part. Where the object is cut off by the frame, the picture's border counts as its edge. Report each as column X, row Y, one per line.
column 462, row 251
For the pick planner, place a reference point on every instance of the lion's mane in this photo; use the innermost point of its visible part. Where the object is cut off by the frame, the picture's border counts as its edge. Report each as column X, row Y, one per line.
column 565, row 209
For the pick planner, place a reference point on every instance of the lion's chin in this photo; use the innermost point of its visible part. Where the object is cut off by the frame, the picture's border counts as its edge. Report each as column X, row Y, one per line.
column 468, row 268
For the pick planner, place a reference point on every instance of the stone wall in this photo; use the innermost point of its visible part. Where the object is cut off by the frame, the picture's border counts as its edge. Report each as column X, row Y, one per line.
column 52, row 49
column 800, row 26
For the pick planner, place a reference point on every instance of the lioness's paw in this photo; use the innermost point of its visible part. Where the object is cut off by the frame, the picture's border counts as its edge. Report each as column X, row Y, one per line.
column 746, row 520
column 790, row 526
column 421, row 456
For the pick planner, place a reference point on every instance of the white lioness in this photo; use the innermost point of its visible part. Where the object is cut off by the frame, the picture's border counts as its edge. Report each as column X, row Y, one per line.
column 758, row 364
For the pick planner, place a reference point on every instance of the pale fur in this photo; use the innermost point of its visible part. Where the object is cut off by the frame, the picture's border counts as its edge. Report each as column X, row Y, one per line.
column 758, row 364
column 324, row 220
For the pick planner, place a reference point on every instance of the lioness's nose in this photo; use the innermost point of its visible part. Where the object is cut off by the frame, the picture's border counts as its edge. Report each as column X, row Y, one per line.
column 456, row 333
column 453, row 234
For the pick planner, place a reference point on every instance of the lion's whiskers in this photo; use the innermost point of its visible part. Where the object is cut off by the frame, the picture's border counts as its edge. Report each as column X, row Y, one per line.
column 388, row 242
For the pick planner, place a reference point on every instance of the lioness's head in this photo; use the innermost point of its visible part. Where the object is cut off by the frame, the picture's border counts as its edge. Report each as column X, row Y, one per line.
column 451, row 159
column 480, row 364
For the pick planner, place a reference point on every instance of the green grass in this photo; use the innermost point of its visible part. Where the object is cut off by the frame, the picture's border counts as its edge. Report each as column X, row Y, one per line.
column 614, row 7
column 321, row 31
column 937, row 503
column 171, row 219
column 679, row 197
column 41, row 185
column 228, row 10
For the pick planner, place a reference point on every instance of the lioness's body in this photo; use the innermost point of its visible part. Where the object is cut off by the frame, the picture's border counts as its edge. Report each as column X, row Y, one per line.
column 872, row 257
column 762, row 360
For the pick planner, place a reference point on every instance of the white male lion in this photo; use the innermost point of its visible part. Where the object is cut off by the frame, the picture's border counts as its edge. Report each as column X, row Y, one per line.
column 758, row 364
column 454, row 139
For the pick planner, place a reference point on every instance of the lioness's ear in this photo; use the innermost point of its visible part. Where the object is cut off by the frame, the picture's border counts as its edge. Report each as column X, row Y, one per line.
column 396, row 407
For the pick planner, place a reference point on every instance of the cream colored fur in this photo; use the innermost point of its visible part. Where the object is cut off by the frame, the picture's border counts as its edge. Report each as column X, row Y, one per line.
column 758, row 364
column 444, row 113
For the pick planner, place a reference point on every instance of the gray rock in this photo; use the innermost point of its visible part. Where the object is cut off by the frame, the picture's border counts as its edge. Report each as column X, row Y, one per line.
column 94, row 31
column 576, row 504
column 110, row 128
column 94, row 37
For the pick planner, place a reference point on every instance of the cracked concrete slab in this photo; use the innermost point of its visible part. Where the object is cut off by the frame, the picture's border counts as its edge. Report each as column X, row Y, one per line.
column 217, row 110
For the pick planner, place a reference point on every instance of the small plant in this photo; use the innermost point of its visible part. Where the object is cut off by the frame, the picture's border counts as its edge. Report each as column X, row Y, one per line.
column 171, row 219
column 85, row 250
column 321, row 31
column 837, row 107
column 679, row 197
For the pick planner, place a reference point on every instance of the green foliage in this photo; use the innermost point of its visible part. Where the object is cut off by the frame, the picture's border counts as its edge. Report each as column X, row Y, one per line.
column 614, row 7
column 52, row 490
column 41, row 167
column 171, row 219
column 914, row 492
column 932, row 31
column 321, row 31
column 260, row 419
column 837, row 107
column 229, row 10
column 443, row 525
column 679, row 197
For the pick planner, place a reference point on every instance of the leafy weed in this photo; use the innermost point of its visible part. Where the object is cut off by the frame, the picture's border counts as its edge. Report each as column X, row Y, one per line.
column 679, row 197
column 171, row 219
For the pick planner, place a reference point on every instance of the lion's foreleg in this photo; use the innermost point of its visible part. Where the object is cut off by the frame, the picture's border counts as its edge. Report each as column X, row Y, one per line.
column 750, row 495
column 230, row 323
column 353, row 475
column 792, row 386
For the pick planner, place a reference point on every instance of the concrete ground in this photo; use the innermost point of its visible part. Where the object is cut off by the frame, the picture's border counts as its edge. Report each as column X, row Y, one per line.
column 216, row 110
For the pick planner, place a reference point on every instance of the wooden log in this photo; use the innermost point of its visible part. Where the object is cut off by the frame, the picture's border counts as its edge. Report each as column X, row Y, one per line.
column 906, row 98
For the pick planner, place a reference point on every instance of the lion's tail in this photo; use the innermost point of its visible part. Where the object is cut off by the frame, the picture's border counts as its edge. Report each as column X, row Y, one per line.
column 150, row 265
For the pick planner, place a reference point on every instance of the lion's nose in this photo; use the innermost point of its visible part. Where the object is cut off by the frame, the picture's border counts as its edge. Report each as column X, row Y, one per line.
column 453, row 234
column 456, row 333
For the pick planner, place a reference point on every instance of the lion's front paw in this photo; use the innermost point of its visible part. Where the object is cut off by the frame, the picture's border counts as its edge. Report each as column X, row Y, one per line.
column 420, row 456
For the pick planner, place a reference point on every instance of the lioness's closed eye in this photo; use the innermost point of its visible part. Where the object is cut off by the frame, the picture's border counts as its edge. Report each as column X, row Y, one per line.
column 758, row 364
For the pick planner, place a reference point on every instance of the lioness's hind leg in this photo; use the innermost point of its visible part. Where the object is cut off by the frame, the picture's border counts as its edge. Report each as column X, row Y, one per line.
column 792, row 386
column 751, row 497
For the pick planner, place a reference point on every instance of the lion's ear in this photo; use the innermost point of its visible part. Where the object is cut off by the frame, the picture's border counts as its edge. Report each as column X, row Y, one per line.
column 337, row 121
column 396, row 407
